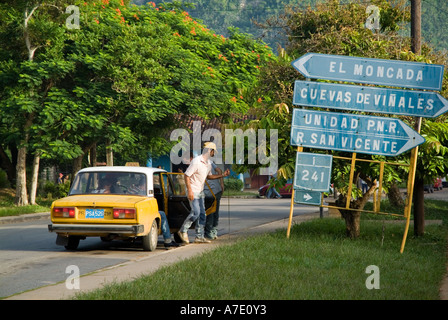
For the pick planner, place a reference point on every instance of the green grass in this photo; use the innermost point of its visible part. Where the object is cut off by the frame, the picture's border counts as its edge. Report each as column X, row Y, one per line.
column 7, row 207
column 316, row 262
column 236, row 193
column 15, row 211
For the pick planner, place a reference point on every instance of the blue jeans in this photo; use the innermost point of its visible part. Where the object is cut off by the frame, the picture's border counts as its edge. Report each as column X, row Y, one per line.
column 164, row 226
column 211, row 224
column 272, row 191
column 197, row 213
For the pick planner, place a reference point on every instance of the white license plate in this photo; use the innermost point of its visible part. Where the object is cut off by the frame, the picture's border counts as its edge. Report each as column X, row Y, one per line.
column 94, row 213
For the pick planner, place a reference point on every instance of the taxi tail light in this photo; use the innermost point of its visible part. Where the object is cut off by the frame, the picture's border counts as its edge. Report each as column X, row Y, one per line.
column 124, row 213
column 63, row 212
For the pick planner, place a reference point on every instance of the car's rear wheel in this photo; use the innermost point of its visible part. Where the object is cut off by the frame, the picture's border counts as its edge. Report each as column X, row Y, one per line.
column 150, row 240
column 72, row 243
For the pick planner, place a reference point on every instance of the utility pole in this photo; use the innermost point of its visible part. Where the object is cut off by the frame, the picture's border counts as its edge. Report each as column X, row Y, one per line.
column 416, row 45
column 416, row 26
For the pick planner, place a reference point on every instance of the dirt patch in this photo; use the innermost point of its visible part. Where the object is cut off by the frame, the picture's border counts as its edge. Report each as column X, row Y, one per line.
column 7, row 194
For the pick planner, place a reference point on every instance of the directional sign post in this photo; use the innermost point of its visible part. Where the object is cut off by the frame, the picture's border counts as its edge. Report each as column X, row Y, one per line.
column 393, row 73
column 352, row 133
column 360, row 133
column 313, row 171
column 307, row 197
column 369, row 99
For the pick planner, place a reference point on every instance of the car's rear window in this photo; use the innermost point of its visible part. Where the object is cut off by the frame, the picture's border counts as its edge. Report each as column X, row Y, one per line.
column 109, row 183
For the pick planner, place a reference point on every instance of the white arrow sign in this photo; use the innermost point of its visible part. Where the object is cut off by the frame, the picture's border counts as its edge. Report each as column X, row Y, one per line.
column 307, row 197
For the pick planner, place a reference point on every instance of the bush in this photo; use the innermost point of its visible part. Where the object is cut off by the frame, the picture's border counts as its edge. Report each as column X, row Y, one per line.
column 4, row 183
column 52, row 190
column 233, row 184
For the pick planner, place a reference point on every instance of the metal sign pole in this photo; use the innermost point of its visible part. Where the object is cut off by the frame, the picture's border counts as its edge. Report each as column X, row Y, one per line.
column 411, row 180
column 291, row 209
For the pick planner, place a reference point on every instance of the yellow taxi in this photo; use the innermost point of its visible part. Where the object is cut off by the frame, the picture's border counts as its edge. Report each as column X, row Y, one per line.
column 121, row 203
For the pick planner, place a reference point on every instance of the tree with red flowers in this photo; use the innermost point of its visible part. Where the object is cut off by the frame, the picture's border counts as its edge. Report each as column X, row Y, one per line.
column 118, row 79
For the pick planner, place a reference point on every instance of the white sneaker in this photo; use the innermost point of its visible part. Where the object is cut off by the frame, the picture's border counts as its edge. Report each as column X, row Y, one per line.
column 183, row 236
column 201, row 240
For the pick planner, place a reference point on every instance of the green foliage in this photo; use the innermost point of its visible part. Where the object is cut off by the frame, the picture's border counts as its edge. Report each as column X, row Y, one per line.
column 277, row 117
column 124, row 76
column 4, row 183
column 233, row 184
column 52, row 190
column 434, row 22
column 433, row 160
column 339, row 29
column 259, row 17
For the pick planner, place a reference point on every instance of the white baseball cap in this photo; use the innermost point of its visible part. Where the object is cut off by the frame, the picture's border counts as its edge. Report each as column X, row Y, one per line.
column 210, row 145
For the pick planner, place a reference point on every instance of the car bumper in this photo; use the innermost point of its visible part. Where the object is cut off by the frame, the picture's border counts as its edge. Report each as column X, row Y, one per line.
column 95, row 229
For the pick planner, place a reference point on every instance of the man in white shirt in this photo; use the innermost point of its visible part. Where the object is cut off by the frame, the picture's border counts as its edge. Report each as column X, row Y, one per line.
column 195, row 176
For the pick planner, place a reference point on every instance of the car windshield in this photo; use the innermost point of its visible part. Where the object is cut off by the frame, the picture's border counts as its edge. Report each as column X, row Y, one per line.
column 109, row 183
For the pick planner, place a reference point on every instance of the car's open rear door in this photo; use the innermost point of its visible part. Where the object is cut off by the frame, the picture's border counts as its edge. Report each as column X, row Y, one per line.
column 178, row 206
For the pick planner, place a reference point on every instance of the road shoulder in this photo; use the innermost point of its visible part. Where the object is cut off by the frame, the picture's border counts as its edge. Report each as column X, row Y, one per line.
column 146, row 265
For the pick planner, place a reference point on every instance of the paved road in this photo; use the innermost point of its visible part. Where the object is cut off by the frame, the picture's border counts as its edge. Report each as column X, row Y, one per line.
column 29, row 257
column 438, row 195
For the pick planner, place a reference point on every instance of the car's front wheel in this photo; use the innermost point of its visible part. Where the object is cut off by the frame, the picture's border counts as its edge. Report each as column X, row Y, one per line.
column 150, row 240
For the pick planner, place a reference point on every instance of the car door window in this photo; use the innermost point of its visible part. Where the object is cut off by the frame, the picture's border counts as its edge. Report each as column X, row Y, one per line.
column 179, row 186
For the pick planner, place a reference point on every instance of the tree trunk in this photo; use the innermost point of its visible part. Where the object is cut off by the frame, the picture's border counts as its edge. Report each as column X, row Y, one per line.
column 35, row 178
column 109, row 154
column 352, row 223
column 93, row 157
column 353, row 218
column 21, row 193
column 419, row 207
column 77, row 165
column 394, row 196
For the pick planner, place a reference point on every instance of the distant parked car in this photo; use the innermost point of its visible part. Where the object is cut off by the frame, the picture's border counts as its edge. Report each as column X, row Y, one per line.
column 285, row 191
column 428, row 188
column 438, row 184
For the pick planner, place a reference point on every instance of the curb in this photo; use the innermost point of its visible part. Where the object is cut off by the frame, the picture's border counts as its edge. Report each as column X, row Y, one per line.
column 25, row 217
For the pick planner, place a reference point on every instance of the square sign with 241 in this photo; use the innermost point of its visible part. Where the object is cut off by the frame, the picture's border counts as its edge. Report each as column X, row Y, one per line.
column 313, row 171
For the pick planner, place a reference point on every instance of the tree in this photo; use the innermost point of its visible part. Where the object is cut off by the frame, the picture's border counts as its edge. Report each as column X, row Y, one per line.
column 432, row 163
column 121, row 77
column 22, row 103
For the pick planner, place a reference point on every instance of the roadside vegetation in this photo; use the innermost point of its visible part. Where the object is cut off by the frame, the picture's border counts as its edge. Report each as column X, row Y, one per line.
column 8, row 208
column 317, row 262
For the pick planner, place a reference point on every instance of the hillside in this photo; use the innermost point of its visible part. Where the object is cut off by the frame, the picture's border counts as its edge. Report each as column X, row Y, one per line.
column 222, row 14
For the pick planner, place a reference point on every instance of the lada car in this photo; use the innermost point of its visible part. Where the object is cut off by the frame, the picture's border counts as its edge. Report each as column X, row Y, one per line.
column 121, row 203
